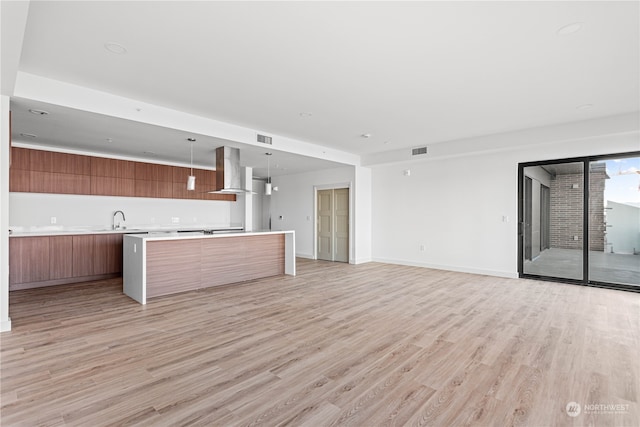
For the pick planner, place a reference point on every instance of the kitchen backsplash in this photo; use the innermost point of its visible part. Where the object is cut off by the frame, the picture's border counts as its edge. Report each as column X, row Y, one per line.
column 61, row 210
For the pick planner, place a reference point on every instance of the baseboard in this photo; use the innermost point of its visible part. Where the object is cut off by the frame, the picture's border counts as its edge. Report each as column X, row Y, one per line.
column 306, row 256
column 361, row 261
column 65, row 281
column 5, row 325
column 496, row 273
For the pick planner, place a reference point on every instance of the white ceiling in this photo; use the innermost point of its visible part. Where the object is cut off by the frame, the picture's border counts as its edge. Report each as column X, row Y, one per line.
column 408, row 73
column 82, row 131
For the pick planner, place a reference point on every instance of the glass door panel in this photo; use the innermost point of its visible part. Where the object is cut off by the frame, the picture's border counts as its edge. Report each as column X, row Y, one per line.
column 553, row 220
column 614, row 221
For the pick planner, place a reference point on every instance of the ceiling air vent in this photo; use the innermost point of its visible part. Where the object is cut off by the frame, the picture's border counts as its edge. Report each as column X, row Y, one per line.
column 264, row 139
column 419, row 151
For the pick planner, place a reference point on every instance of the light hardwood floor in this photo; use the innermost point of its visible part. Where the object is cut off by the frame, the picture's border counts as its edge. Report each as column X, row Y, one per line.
column 364, row 345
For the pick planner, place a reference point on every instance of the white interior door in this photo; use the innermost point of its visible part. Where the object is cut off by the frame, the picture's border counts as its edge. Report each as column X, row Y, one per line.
column 333, row 225
column 341, row 228
column 325, row 225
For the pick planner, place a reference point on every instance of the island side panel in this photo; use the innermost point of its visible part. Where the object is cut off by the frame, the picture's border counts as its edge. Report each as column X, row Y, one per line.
column 237, row 259
column 264, row 256
column 290, row 253
column 133, row 275
column 173, row 266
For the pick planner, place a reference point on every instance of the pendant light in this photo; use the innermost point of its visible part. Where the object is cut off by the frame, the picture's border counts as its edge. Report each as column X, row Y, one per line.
column 267, row 185
column 191, row 180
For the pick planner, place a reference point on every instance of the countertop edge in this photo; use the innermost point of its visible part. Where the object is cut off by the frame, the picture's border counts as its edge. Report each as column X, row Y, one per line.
column 186, row 236
column 50, row 233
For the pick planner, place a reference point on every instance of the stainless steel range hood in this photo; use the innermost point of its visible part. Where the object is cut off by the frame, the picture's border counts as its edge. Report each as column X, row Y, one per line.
column 228, row 174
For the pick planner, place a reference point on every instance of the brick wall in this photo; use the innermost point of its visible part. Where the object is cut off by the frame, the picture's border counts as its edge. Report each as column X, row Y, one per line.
column 597, row 226
column 567, row 209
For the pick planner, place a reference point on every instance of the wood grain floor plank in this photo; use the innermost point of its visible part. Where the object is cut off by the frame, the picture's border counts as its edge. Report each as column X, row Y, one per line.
column 337, row 344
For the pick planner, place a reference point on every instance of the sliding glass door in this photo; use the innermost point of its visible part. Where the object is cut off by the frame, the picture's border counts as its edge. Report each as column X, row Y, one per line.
column 580, row 220
column 614, row 215
column 553, row 220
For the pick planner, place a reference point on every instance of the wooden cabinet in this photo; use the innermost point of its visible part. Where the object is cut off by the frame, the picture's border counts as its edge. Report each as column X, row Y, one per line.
column 107, row 254
column 19, row 174
column 58, row 183
column 83, row 255
column 153, row 172
column 113, row 168
column 159, row 189
column 19, row 180
column 112, row 177
column 60, row 257
column 39, row 171
column 109, row 186
column 20, row 158
column 29, row 259
column 50, row 161
column 54, row 260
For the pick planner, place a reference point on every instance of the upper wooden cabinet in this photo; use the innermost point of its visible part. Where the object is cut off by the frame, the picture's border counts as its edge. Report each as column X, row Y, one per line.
column 113, row 168
column 153, row 172
column 20, row 158
column 38, row 171
column 108, row 186
column 49, row 161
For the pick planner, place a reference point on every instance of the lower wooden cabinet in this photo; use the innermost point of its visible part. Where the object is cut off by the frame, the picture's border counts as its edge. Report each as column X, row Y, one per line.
column 28, row 259
column 107, row 254
column 60, row 259
column 83, row 255
column 54, row 260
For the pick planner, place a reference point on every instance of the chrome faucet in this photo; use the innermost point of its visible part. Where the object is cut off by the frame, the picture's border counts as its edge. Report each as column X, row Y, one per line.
column 119, row 226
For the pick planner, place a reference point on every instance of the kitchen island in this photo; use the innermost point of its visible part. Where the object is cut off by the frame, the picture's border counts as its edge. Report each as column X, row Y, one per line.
column 158, row 264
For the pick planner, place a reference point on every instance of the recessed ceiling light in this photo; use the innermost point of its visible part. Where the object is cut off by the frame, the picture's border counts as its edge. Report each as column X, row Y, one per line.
column 386, row 142
column 569, row 29
column 365, row 135
column 306, row 114
column 109, row 140
column 191, row 139
column 116, row 48
column 38, row 112
column 28, row 135
column 150, row 153
column 584, row 106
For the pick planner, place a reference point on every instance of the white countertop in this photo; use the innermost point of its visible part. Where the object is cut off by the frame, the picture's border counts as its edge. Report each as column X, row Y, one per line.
column 174, row 235
column 62, row 231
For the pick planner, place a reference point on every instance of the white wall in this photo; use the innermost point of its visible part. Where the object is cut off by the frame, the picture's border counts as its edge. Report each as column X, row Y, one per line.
column 454, row 205
column 5, row 321
column 294, row 201
column 35, row 209
column 623, row 228
column 362, row 217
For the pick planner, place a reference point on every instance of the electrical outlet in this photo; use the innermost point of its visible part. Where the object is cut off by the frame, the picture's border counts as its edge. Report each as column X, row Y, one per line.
column 576, row 238
column 54, row 220
column 175, row 220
